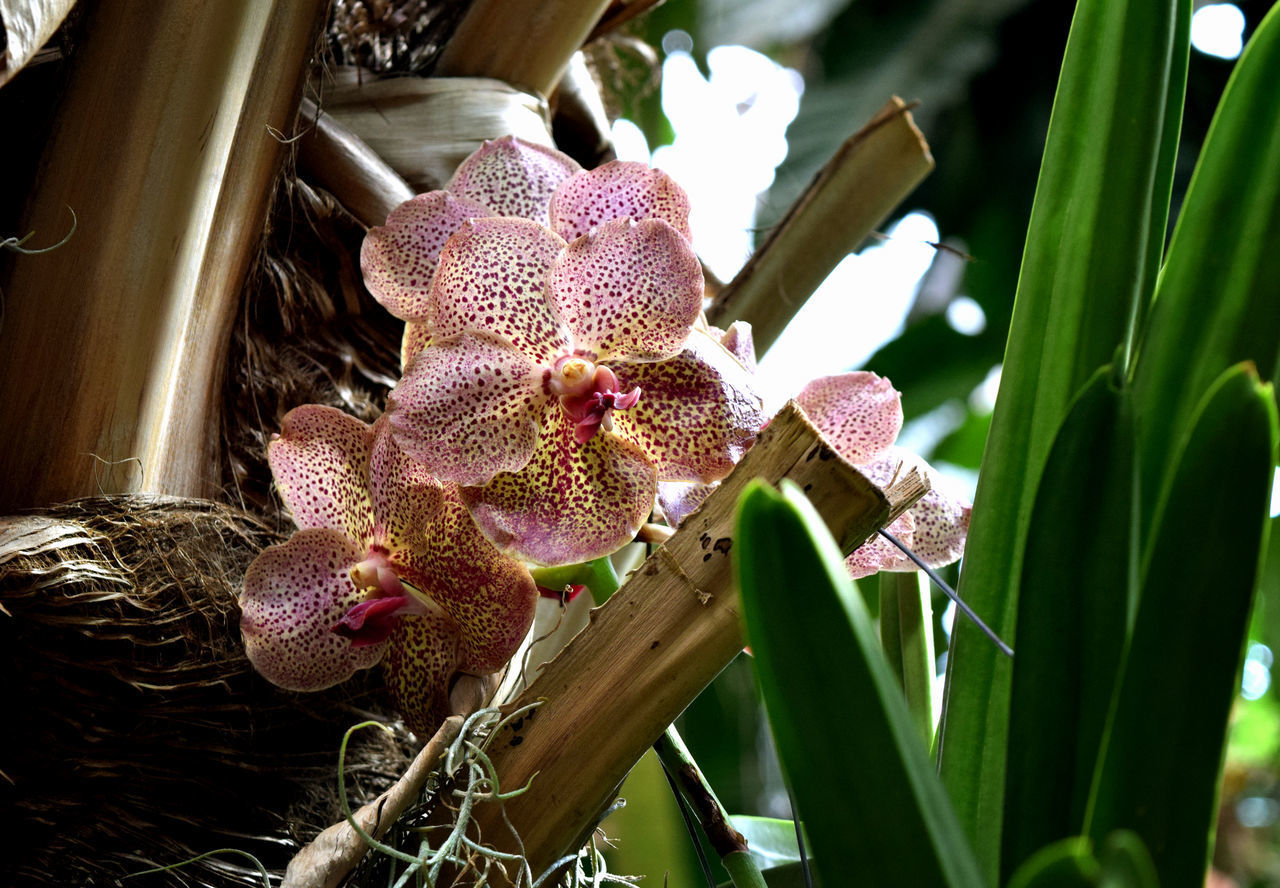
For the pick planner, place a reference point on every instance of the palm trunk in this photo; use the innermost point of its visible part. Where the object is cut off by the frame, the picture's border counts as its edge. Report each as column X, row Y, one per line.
column 114, row 344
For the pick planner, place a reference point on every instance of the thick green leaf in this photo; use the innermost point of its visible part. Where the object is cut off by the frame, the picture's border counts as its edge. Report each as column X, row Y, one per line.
column 1070, row 863
column 1084, row 274
column 1159, row 772
column 906, row 636
column 1067, row 863
column 844, row 736
column 772, row 841
column 1079, row 584
column 1216, row 303
column 1166, row 161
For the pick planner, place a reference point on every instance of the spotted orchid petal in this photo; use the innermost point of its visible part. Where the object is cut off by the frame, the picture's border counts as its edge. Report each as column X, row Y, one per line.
column 416, row 338
column 468, row 408
column 679, row 499
column 859, row 413
column 618, row 190
column 490, row 597
column 294, row 594
column 697, row 413
column 399, row 259
column 492, row 277
column 421, row 657
column 628, row 291
column 737, row 341
column 941, row 520
column 406, row 497
column 573, row 502
column 321, row 463
column 878, row 554
column 513, row 177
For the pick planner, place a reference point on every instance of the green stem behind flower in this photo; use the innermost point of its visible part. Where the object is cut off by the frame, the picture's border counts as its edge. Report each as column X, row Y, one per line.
column 598, row 576
column 906, row 633
column 743, row 870
column 730, row 844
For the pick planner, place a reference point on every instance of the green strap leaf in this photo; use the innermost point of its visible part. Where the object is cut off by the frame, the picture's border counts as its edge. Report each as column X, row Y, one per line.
column 772, row 841
column 1084, row 274
column 1067, row 863
column 843, row 732
column 1070, row 863
column 1216, row 301
column 1079, row 585
column 1158, row 774
column 1126, row 863
column 906, row 637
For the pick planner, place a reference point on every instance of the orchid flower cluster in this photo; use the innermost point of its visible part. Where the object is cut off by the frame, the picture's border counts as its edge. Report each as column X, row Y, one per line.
column 559, row 380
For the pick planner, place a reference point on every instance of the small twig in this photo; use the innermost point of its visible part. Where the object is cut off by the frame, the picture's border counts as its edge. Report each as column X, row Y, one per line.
column 950, row 593
column 676, row 759
column 327, row 860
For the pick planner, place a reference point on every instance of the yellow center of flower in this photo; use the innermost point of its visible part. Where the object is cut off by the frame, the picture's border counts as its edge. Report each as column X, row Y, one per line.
column 572, row 375
column 576, row 371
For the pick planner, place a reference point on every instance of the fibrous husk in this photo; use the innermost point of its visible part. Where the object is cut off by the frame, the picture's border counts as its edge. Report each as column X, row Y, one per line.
column 391, row 36
column 307, row 333
column 136, row 733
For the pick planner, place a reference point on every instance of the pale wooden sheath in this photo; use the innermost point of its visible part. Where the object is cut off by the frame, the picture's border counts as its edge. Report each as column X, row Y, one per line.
column 113, row 347
column 423, row 128
column 527, row 43
column 870, row 174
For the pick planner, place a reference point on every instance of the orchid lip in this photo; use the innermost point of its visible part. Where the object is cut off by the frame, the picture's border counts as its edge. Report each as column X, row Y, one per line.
column 592, row 409
column 387, row 598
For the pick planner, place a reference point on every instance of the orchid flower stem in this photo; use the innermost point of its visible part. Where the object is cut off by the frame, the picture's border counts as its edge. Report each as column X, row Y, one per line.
column 602, row 579
column 691, row 788
column 598, row 576
column 743, row 870
column 951, row 593
column 687, row 816
column 906, row 634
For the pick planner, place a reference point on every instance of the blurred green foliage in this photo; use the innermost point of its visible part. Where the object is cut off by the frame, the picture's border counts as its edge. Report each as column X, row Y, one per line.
column 984, row 72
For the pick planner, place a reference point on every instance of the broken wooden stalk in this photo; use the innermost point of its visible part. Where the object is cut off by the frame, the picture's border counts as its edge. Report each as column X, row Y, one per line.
column 527, row 43
column 662, row 637
column 870, row 174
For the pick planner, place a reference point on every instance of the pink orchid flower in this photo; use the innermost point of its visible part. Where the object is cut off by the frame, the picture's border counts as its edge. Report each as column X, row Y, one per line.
column 860, row 414
column 505, row 177
column 563, row 380
column 387, row 567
